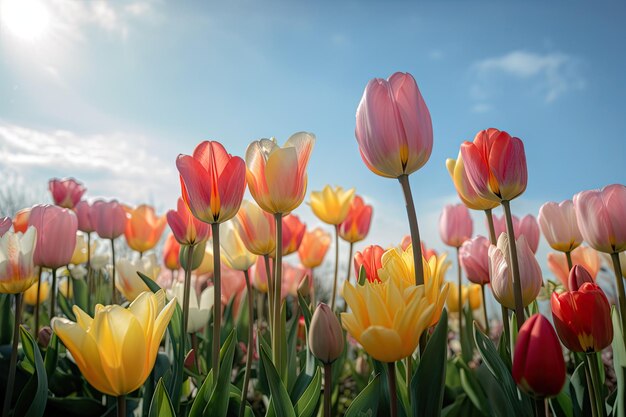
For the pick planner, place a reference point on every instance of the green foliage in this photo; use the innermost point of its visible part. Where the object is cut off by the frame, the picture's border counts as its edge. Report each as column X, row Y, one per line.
column 161, row 405
column 33, row 398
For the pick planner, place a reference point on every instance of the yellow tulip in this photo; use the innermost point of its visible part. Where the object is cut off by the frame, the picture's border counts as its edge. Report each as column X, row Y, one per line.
column 80, row 250
column 66, row 288
column 471, row 292
column 30, row 295
column 332, row 205
column 17, row 270
column 116, row 349
column 129, row 283
column 398, row 264
column 234, row 252
column 206, row 266
column 464, row 189
column 475, row 296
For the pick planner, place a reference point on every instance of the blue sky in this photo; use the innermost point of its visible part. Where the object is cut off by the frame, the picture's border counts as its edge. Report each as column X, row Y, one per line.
column 111, row 92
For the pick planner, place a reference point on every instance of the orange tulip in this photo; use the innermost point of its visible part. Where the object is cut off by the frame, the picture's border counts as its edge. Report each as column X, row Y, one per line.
column 171, row 250
column 143, row 228
column 20, row 221
column 314, row 247
column 257, row 228
column 356, row 226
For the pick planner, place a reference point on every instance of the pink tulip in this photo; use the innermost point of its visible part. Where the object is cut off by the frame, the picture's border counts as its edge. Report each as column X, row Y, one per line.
column 601, row 217
column 56, row 235
column 582, row 255
column 356, row 226
column 83, row 212
column 474, row 258
column 495, row 164
column 293, row 233
column 292, row 277
column 233, row 284
column 108, row 218
column 212, row 182
column 66, row 192
column 5, row 225
column 186, row 228
column 526, row 227
column 393, row 126
column 455, row 225
column 559, row 225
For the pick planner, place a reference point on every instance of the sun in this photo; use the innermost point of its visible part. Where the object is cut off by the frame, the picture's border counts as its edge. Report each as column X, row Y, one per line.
column 25, row 19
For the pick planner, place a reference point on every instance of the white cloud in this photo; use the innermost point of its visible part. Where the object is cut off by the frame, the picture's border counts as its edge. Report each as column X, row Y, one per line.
column 551, row 74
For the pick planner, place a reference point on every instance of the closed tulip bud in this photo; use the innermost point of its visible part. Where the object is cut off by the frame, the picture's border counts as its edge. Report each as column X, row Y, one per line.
column 474, row 259
column 526, row 227
column 356, row 226
column 600, row 215
column 495, row 164
column 202, row 253
column 582, row 317
column 17, row 269
column 538, row 365
column 455, row 225
column 325, row 335
column 108, row 218
column 277, row 176
column 370, row 259
column 83, row 213
column 143, row 228
column 501, row 276
column 171, row 251
column 393, row 126
column 66, row 192
column 56, row 235
column 293, row 233
column 44, row 336
column 582, row 255
column 467, row 194
column 234, row 253
column 20, row 221
column 313, row 247
column 304, row 289
column 577, row 277
column 559, row 225
column 30, row 295
column 257, row 229
column 186, row 228
column 5, row 225
column 331, row 205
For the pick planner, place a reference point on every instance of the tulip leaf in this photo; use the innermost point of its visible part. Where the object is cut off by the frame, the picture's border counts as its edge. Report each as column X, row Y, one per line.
column 500, row 406
column 561, row 405
column 471, row 386
column 202, row 397
column 428, row 382
column 362, row 275
column 467, row 347
column 218, row 401
column 34, row 396
column 291, row 353
column 307, row 404
column 280, row 404
column 81, row 293
column 579, row 392
column 619, row 363
column 6, row 319
column 366, row 403
column 52, row 356
column 306, row 312
column 65, row 306
column 161, row 405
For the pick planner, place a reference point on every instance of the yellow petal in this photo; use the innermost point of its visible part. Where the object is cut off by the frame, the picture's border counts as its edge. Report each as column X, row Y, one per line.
column 382, row 344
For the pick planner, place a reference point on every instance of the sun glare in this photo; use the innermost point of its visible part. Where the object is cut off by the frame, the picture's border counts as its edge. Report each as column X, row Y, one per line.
column 25, row 19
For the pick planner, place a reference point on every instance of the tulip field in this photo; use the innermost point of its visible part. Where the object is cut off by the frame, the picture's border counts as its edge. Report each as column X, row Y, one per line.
column 215, row 307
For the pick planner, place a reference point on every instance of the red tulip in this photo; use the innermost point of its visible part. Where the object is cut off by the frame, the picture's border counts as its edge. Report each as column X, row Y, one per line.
column 371, row 260
column 5, row 225
column 357, row 225
column 577, row 277
column 474, row 258
column 293, row 232
column 108, row 218
column 212, row 182
column 20, row 221
column 83, row 213
column 186, row 228
column 538, row 365
column 601, row 218
column 393, row 126
column 583, row 318
column 455, row 225
column 559, row 225
column 66, row 192
column 526, row 227
column 171, row 251
column 56, row 235
column 495, row 164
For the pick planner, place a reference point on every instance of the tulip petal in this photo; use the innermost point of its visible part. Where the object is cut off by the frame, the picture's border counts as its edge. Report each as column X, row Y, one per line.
column 197, row 190
column 382, row 344
column 282, row 183
column 231, row 185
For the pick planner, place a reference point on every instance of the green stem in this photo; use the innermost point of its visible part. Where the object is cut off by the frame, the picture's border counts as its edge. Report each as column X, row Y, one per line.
column 53, row 293
column 408, row 366
column 217, row 301
column 568, row 256
column 276, row 319
column 505, row 314
column 621, row 295
column 482, row 289
column 89, row 275
column 187, row 290
column 492, row 230
column 113, row 292
column 517, row 283
column 546, row 407
column 270, row 293
column 121, row 406
column 591, row 388
column 393, row 397
column 597, row 383
column 460, row 295
column 249, row 357
column 37, row 302
column 328, row 383
column 415, row 233
column 8, row 395
column 332, row 300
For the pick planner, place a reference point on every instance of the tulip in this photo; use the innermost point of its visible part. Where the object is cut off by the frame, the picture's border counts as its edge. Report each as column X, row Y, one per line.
column 66, row 288
column 256, row 228
column 313, row 248
column 452, row 301
column 129, row 282
column 293, row 233
column 200, row 307
column 5, row 225
column 259, row 276
column 202, row 263
column 30, row 295
column 356, row 226
column 17, row 268
column 500, row 272
column 56, row 235
column 332, row 205
column 582, row 255
column 277, row 175
column 171, row 250
column 495, row 164
column 474, row 295
column 559, row 225
column 83, row 213
column 325, row 335
column 538, row 365
column 428, row 252
column 465, row 190
column 305, row 286
column 20, row 221
column 526, row 227
column 474, row 258
column 82, row 252
column 234, row 253
column 143, row 228
column 116, row 350
column 577, row 277
column 66, row 192
column 108, row 218
column 186, row 228
column 455, row 225
column 292, row 278
column 371, row 260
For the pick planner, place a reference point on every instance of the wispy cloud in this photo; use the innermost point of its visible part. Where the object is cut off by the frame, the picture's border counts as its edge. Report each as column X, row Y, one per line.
column 549, row 75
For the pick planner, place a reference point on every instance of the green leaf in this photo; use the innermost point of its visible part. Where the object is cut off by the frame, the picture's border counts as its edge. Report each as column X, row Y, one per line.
column 6, row 319
column 366, row 403
column 33, row 398
column 65, row 306
column 308, row 402
column 161, row 405
column 77, row 406
column 619, row 363
column 578, row 392
column 500, row 406
column 428, row 382
column 52, row 356
column 467, row 347
column 202, row 397
column 362, row 275
column 290, row 352
column 561, row 405
column 81, row 293
column 218, row 401
column 280, row 401
column 471, row 386
column 306, row 312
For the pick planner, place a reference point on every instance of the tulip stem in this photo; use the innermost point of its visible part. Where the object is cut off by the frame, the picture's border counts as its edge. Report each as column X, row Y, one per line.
column 546, row 407
column 113, row 294
column 482, row 289
column 328, row 382
column 276, row 327
column 270, row 292
column 620, row 290
column 121, row 406
column 350, row 251
column 217, row 301
column 408, row 365
column 596, row 383
column 517, row 283
column 37, row 302
column 249, row 352
column 187, row 290
column 505, row 313
column 53, row 293
column 570, row 264
column 8, row 396
column 415, row 233
column 492, row 230
column 393, row 397
column 591, row 388
column 332, row 300
column 460, row 295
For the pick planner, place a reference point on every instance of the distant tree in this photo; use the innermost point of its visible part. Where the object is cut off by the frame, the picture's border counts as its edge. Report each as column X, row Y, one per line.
column 15, row 194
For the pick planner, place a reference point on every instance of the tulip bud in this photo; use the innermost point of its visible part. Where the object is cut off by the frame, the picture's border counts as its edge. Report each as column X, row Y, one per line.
column 325, row 337
column 577, row 277
column 362, row 366
column 538, row 365
column 198, row 254
column 304, row 289
column 44, row 336
column 190, row 361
